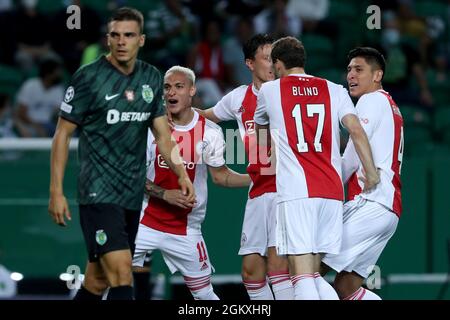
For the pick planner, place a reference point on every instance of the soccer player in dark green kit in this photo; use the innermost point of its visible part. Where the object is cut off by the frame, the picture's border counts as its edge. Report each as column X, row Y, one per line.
column 113, row 102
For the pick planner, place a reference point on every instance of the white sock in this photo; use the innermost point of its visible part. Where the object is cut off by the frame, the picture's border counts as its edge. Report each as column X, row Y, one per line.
column 326, row 291
column 201, row 288
column 363, row 294
column 258, row 290
column 281, row 285
column 305, row 287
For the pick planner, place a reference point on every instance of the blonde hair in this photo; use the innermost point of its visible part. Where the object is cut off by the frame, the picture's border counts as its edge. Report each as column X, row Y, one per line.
column 186, row 71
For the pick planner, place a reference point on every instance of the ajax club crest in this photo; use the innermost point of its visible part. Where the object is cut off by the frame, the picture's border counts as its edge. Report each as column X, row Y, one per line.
column 147, row 93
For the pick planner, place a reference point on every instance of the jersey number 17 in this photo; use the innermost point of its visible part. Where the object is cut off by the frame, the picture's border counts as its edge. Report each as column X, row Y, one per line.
column 311, row 110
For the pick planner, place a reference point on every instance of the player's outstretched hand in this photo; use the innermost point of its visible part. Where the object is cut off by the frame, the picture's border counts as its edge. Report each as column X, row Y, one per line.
column 177, row 198
column 187, row 188
column 59, row 209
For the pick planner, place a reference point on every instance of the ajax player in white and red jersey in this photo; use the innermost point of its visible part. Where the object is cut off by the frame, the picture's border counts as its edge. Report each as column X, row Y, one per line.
column 170, row 223
column 258, row 231
column 304, row 114
column 370, row 219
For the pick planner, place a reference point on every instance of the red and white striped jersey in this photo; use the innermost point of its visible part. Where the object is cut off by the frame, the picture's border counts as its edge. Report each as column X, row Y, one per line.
column 304, row 114
column 381, row 119
column 201, row 144
column 240, row 105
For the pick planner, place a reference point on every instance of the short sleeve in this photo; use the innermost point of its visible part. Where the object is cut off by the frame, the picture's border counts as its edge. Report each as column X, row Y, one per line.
column 261, row 117
column 345, row 103
column 213, row 147
column 223, row 108
column 158, row 108
column 75, row 102
column 368, row 110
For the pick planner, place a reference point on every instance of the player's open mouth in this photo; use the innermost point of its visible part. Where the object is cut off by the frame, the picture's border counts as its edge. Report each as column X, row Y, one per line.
column 172, row 101
column 353, row 85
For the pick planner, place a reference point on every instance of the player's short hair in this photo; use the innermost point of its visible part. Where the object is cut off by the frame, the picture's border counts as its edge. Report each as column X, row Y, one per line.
column 372, row 56
column 186, row 71
column 251, row 46
column 128, row 14
column 290, row 51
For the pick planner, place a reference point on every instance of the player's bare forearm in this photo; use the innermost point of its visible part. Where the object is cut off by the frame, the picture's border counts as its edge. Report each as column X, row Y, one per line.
column 59, row 155
column 208, row 114
column 361, row 143
column 171, row 154
column 362, row 147
column 58, row 162
column 153, row 190
column 57, row 206
column 350, row 161
column 167, row 146
column 225, row 177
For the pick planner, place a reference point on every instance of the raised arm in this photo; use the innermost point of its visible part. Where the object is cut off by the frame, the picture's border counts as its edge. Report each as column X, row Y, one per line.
column 58, row 207
column 171, row 153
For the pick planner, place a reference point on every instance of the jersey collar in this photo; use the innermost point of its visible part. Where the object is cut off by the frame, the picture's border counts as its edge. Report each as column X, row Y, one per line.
column 190, row 125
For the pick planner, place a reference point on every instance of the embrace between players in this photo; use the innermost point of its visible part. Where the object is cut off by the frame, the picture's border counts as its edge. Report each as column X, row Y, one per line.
column 295, row 224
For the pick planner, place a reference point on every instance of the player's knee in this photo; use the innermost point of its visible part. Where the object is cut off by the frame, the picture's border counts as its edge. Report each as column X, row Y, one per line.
column 252, row 273
column 96, row 284
column 124, row 275
column 253, row 267
column 277, row 264
column 246, row 272
column 345, row 285
column 120, row 274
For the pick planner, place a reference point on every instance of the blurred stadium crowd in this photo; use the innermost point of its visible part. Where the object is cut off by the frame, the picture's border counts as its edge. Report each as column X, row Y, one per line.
column 39, row 53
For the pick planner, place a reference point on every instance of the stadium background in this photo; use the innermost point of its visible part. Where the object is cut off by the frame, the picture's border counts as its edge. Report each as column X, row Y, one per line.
column 415, row 264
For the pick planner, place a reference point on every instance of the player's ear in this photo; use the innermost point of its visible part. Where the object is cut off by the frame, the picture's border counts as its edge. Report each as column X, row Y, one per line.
column 193, row 91
column 378, row 76
column 142, row 40
column 249, row 63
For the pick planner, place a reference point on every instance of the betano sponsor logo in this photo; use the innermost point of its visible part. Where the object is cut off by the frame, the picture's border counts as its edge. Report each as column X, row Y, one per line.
column 114, row 116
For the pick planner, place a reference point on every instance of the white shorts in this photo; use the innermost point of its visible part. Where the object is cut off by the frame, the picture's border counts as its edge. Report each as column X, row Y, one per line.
column 258, row 229
column 367, row 228
column 309, row 225
column 187, row 254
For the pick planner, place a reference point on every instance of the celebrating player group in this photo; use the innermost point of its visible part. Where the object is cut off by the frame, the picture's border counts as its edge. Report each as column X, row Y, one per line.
column 298, row 223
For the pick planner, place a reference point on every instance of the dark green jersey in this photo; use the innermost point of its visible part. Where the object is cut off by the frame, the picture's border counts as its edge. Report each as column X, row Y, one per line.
column 113, row 112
